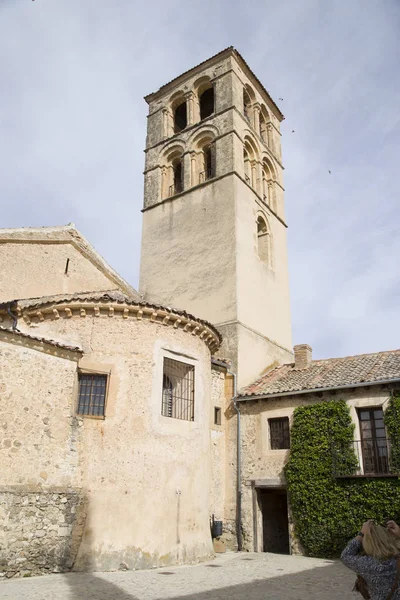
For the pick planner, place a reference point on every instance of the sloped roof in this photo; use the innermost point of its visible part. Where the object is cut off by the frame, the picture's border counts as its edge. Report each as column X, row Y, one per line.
column 331, row 373
column 230, row 50
column 66, row 234
column 41, row 340
column 108, row 296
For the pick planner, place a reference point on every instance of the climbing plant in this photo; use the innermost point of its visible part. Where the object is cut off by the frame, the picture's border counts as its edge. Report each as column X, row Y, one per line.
column 392, row 423
column 327, row 511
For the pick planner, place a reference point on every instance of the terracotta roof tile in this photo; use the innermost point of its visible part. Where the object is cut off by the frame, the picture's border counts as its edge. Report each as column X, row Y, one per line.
column 42, row 340
column 327, row 373
column 109, row 296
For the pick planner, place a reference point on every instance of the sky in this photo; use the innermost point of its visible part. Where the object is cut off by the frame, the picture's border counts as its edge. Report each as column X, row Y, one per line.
column 73, row 126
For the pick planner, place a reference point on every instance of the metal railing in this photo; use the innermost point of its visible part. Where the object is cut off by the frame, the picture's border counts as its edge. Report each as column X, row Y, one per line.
column 206, row 175
column 362, row 458
column 176, row 188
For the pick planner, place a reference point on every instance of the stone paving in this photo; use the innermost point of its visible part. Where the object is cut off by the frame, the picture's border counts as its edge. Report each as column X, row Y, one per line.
column 230, row 576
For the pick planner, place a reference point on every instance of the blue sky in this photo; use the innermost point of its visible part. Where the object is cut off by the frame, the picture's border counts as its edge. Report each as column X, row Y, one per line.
column 72, row 133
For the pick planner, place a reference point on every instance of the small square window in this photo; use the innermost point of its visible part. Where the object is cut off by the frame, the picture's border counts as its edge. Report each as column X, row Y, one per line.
column 279, row 433
column 178, row 390
column 217, row 415
column 92, row 395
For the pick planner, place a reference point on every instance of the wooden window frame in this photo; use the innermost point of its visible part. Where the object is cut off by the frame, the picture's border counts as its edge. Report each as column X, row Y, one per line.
column 284, row 444
column 86, row 374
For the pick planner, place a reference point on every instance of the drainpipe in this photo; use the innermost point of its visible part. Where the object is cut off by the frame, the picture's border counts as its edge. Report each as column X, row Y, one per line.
column 215, row 361
column 8, row 306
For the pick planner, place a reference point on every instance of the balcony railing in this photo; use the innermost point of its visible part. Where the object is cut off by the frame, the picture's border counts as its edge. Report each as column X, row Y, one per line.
column 206, row 175
column 176, row 188
column 363, row 458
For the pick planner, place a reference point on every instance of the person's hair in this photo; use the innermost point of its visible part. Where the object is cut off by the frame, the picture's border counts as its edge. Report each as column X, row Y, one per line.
column 380, row 543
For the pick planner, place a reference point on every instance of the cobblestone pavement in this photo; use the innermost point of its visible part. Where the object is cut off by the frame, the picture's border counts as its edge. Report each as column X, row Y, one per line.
column 230, row 576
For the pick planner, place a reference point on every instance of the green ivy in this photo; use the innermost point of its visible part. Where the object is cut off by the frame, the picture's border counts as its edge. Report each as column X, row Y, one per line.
column 328, row 511
column 392, row 422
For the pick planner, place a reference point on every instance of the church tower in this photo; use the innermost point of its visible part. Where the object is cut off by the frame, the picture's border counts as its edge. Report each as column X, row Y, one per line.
column 214, row 230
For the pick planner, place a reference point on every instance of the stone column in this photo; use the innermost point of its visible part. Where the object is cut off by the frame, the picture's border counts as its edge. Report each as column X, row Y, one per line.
column 187, row 171
column 193, row 178
column 256, row 117
column 271, row 196
column 165, row 122
column 164, row 183
column 190, row 108
column 270, row 137
column 254, row 174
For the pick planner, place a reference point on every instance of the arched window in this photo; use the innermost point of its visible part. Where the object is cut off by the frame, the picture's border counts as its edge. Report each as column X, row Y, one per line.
column 177, row 167
column 263, row 128
column 203, row 163
column 246, row 105
column 247, row 166
column 268, row 184
column 180, row 117
column 250, row 162
column 263, row 240
column 206, row 101
column 207, row 163
column 172, row 174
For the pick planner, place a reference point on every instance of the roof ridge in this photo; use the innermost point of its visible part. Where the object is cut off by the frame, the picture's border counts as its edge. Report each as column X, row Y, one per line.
column 43, row 340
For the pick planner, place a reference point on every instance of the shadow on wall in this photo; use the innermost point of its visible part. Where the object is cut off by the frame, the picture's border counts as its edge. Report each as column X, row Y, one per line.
column 331, row 581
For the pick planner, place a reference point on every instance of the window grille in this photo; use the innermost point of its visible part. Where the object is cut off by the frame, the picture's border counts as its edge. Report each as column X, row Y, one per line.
column 217, row 415
column 279, row 433
column 92, row 394
column 178, row 390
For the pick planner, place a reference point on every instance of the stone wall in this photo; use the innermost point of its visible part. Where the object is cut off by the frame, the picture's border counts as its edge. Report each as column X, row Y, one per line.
column 40, row 530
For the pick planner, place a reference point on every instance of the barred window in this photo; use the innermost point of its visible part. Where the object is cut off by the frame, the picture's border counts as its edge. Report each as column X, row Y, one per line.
column 92, row 394
column 178, row 390
column 279, row 433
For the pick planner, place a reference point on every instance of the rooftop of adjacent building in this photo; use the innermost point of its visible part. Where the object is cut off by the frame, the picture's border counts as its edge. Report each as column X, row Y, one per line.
column 306, row 375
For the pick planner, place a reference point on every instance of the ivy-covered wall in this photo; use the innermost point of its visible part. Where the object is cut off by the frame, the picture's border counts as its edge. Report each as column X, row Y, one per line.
column 328, row 511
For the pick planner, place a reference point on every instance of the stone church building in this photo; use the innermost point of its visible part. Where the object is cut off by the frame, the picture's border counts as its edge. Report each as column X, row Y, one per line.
column 130, row 419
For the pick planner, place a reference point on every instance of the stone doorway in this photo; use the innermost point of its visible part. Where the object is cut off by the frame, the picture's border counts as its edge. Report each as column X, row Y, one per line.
column 275, row 526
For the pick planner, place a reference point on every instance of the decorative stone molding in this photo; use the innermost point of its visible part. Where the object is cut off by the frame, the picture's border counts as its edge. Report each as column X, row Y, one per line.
column 113, row 308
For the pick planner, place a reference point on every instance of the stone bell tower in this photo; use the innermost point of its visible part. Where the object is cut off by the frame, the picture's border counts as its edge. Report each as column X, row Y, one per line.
column 214, row 231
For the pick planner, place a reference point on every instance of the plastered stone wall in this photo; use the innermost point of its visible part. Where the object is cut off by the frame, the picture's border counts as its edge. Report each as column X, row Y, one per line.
column 42, row 504
column 31, row 270
column 217, row 501
column 40, row 530
column 147, row 478
column 260, row 463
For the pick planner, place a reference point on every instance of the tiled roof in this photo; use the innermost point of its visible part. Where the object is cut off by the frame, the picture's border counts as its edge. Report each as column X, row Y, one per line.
column 42, row 340
column 110, row 296
column 328, row 373
column 149, row 97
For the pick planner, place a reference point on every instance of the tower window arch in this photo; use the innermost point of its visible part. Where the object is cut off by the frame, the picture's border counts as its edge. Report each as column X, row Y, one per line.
column 248, row 101
column 263, row 241
column 250, row 162
column 177, row 169
column 246, row 105
column 180, row 117
column 172, row 172
column 203, row 157
column 206, row 102
column 268, row 189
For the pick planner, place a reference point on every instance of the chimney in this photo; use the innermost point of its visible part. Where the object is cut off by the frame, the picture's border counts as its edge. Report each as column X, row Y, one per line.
column 302, row 356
